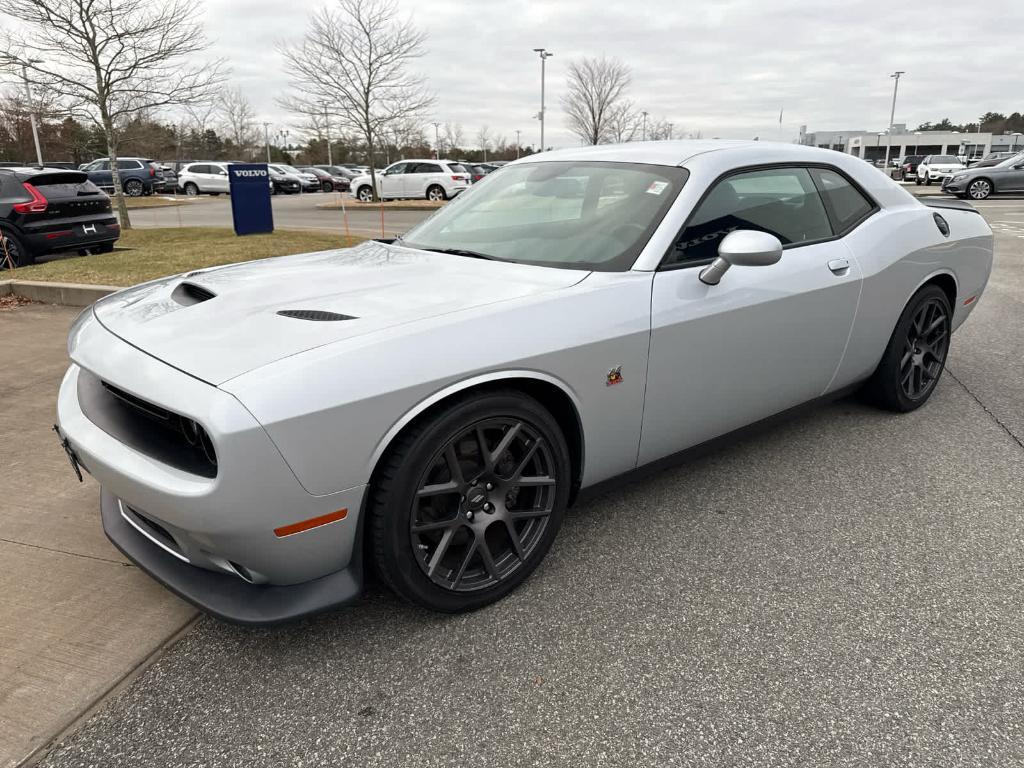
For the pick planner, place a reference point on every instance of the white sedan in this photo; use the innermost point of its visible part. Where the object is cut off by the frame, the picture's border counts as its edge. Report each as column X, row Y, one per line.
column 429, row 407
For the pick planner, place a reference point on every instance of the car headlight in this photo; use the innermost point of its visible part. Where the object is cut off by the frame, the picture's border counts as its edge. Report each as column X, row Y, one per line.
column 958, row 177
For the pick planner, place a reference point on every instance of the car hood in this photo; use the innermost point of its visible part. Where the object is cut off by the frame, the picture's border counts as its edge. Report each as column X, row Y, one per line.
column 219, row 323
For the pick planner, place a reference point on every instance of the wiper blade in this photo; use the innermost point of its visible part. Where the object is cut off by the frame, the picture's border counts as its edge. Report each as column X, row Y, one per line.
column 462, row 252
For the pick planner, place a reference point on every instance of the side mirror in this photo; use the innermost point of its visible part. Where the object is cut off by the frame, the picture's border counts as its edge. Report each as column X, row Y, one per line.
column 742, row 248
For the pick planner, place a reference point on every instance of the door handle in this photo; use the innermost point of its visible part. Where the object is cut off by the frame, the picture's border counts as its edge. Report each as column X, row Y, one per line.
column 839, row 266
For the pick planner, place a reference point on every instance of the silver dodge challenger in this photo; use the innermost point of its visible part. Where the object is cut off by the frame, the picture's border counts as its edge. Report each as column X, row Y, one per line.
column 428, row 407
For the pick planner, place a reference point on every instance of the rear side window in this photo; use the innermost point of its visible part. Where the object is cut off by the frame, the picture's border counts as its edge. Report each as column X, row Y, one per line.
column 847, row 203
column 128, row 165
column 425, row 168
column 457, row 168
column 781, row 201
column 197, row 169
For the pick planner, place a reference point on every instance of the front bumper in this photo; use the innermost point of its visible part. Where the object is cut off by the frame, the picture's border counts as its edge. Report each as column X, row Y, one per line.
column 220, row 529
column 224, row 596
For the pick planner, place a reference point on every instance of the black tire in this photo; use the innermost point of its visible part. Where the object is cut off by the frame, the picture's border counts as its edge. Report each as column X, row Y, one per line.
column 980, row 189
column 134, row 188
column 917, row 180
column 326, row 186
column 14, row 251
column 215, row 194
column 463, row 578
column 928, row 180
column 436, row 193
column 364, row 194
column 915, row 349
column 191, row 189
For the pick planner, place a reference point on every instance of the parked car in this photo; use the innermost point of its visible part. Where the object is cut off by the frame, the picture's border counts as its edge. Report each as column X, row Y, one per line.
column 49, row 210
column 259, row 432
column 139, row 176
column 329, row 182
column 283, row 183
column 991, row 159
column 338, row 170
column 309, row 181
column 937, row 168
column 979, row 183
column 60, row 164
column 204, row 179
column 908, row 167
column 430, row 179
column 476, row 172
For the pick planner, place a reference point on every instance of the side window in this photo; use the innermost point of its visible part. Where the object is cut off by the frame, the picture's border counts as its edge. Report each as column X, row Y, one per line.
column 848, row 205
column 398, row 168
column 199, row 168
column 100, row 165
column 781, row 201
column 426, row 168
column 128, row 165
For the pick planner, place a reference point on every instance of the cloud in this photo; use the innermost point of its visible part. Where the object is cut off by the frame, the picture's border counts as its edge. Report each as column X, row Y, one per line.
column 724, row 68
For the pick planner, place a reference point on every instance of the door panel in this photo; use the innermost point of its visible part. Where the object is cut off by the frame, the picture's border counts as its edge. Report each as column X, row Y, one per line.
column 392, row 185
column 761, row 341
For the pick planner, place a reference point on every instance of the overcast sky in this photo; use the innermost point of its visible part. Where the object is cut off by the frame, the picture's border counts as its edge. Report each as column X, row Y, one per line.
column 723, row 67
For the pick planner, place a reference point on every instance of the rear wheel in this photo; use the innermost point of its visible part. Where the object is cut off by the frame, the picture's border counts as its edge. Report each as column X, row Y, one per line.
column 916, row 354
column 466, row 505
column 436, row 193
column 134, row 188
column 191, row 189
column 979, row 189
column 13, row 252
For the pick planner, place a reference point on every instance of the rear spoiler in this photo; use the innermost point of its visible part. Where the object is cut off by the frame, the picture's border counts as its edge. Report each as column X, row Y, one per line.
column 955, row 205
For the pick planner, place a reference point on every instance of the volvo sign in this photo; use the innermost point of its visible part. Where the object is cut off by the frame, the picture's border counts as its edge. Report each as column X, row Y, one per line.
column 250, row 198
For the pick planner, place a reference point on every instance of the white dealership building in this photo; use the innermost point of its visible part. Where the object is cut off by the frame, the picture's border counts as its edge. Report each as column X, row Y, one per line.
column 871, row 145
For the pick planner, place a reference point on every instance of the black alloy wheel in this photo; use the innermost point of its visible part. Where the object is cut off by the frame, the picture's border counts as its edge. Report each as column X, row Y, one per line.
column 468, row 504
column 916, row 354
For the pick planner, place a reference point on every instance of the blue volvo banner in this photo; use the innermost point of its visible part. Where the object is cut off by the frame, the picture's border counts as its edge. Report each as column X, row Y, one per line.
column 250, row 198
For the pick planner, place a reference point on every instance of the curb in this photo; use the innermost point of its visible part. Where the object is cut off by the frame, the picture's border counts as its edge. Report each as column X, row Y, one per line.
column 374, row 208
column 64, row 294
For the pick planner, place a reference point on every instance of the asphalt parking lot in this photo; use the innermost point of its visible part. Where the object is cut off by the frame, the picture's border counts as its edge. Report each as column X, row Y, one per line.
column 845, row 588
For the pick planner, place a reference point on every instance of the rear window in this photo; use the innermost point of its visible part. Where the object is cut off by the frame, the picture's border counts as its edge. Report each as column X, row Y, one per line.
column 848, row 205
column 55, row 186
column 457, row 168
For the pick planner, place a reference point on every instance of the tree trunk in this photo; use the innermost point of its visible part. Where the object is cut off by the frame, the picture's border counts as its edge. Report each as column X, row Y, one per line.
column 373, row 171
column 122, row 205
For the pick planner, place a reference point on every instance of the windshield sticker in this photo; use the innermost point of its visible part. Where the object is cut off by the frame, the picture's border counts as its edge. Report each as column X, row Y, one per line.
column 657, row 187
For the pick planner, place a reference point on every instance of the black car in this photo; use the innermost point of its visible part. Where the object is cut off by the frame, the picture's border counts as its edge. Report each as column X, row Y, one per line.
column 44, row 210
column 329, row 182
column 908, row 166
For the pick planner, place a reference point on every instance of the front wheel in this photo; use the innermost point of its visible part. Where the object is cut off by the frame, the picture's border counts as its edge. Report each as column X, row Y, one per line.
column 980, row 189
column 365, row 195
column 928, row 180
column 436, row 194
column 916, row 354
column 327, row 187
column 466, row 505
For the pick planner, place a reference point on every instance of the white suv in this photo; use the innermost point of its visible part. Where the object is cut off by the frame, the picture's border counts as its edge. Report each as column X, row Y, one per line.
column 937, row 168
column 204, row 178
column 429, row 179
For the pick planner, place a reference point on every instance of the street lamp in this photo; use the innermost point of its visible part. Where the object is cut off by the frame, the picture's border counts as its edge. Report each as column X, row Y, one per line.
column 517, row 143
column 437, row 141
column 545, row 54
column 28, row 105
column 643, row 128
column 892, row 114
column 266, row 139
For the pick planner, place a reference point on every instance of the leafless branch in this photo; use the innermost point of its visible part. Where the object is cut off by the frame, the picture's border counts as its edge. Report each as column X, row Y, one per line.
column 596, row 87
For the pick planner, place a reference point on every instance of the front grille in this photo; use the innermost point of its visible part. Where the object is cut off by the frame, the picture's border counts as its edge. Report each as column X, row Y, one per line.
column 151, row 429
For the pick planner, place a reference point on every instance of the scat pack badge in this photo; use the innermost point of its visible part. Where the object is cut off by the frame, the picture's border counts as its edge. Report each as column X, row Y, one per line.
column 615, row 376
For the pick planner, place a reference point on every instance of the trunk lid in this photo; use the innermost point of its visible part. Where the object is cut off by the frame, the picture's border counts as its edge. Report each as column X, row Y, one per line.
column 219, row 323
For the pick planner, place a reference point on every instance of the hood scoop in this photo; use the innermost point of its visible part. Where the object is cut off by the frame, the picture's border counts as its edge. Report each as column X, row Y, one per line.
column 188, row 294
column 316, row 315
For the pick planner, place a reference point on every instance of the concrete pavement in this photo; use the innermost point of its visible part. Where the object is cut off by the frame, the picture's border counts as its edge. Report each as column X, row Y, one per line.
column 75, row 616
column 842, row 589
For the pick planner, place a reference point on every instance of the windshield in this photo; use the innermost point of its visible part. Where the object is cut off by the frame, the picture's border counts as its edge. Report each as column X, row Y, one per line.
column 290, row 169
column 944, row 159
column 1012, row 160
column 575, row 215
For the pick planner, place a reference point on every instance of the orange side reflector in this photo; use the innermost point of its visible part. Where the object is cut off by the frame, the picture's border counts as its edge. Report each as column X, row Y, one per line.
column 968, row 301
column 313, row 522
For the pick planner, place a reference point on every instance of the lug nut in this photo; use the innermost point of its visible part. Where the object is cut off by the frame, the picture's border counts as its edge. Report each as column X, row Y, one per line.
column 469, row 514
column 488, row 507
column 490, row 486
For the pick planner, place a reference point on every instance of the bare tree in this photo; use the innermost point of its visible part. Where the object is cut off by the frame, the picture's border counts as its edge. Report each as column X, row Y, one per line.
column 237, row 118
column 660, row 130
column 452, row 136
column 624, row 122
column 483, row 140
column 355, row 55
column 109, row 60
column 596, row 87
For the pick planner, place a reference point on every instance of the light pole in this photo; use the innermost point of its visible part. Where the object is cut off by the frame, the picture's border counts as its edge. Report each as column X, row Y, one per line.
column 28, row 106
column 643, row 128
column 437, row 141
column 266, row 139
column 544, row 56
column 892, row 114
column 327, row 130
column 517, row 143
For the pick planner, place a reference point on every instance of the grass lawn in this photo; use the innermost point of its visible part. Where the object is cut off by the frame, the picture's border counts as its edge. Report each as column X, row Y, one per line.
column 157, row 252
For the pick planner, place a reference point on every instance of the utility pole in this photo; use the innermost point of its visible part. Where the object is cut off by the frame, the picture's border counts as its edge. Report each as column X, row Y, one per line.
column 892, row 114
column 544, row 56
column 28, row 106
column 266, row 139
column 327, row 130
column 643, row 129
column 437, row 141
column 517, row 143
